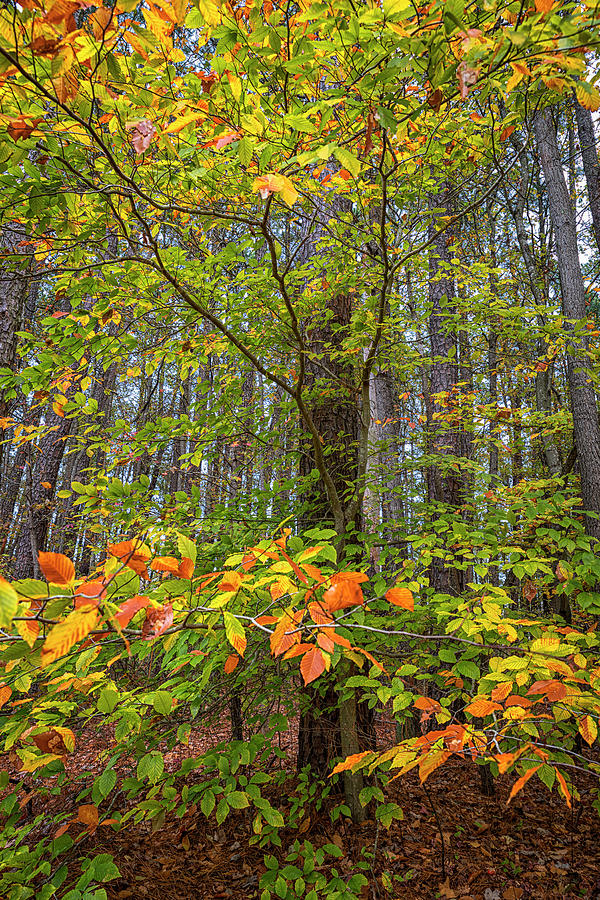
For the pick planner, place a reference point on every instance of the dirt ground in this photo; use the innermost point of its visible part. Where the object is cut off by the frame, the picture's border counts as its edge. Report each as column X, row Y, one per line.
column 454, row 843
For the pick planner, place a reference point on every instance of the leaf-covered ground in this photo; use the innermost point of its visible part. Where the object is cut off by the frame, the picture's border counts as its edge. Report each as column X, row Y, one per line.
column 533, row 848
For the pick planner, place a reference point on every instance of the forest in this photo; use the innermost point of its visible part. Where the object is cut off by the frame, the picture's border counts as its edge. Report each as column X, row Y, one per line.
column 299, row 449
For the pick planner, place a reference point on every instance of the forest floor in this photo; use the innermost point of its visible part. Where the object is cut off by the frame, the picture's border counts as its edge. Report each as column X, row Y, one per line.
column 454, row 843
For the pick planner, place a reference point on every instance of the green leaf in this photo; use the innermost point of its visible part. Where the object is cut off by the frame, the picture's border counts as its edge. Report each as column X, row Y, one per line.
column 222, row 810
column 467, row 669
column 245, row 149
column 151, row 766
column 9, row 602
column 186, row 547
column 300, row 123
column 238, row 800
column 273, row 817
column 105, row 782
column 348, row 160
column 207, row 804
column 107, row 700
column 162, row 702
column 397, row 8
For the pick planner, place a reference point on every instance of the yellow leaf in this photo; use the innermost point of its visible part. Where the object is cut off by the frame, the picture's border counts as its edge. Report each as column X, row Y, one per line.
column 588, row 729
column 210, row 12
column 180, row 123
column 28, row 630
column 63, row 636
column 514, row 80
column 236, row 87
column 588, row 96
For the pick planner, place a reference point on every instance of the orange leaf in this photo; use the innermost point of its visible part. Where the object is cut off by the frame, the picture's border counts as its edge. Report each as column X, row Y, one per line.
column 522, row 781
column 343, row 594
column 165, row 564
column 129, row 608
column 350, row 761
column 157, row 621
column 298, row 650
column 285, row 634
column 402, row 597
column 552, row 689
column 134, row 554
column 57, row 568
column 319, row 613
column 358, row 577
column 5, row 694
column 588, row 729
column 90, row 593
column 266, row 620
column 324, row 641
column 563, row 787
column 338, row 639
column 231, row 581
column 481, row 707
column 231, row 663
column 544, row 6
column 46, row 484
column 431, row 761
column 501, row 691
column 186, row 567
column 312, row 665
column 427, row 704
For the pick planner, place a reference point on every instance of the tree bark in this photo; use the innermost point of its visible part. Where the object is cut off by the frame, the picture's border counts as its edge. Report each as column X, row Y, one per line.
column 591, row 168
column 583, row 396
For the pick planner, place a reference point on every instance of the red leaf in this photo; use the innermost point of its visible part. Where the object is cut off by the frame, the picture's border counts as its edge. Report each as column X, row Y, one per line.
column 312, row 665
column 57, row 568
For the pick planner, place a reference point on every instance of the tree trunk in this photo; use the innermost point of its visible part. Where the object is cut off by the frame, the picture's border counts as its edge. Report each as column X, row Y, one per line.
column 583, row 396
column 445, row 486
column 591, row 168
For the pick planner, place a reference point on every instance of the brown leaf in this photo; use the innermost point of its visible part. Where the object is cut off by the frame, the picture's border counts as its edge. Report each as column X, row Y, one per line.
column 158, row 620
column 435, row 99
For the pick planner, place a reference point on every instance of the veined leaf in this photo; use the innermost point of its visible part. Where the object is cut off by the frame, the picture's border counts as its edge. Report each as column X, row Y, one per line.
column 9, row 602
column 66, row 634
column 235, row 633
column 57, row 568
